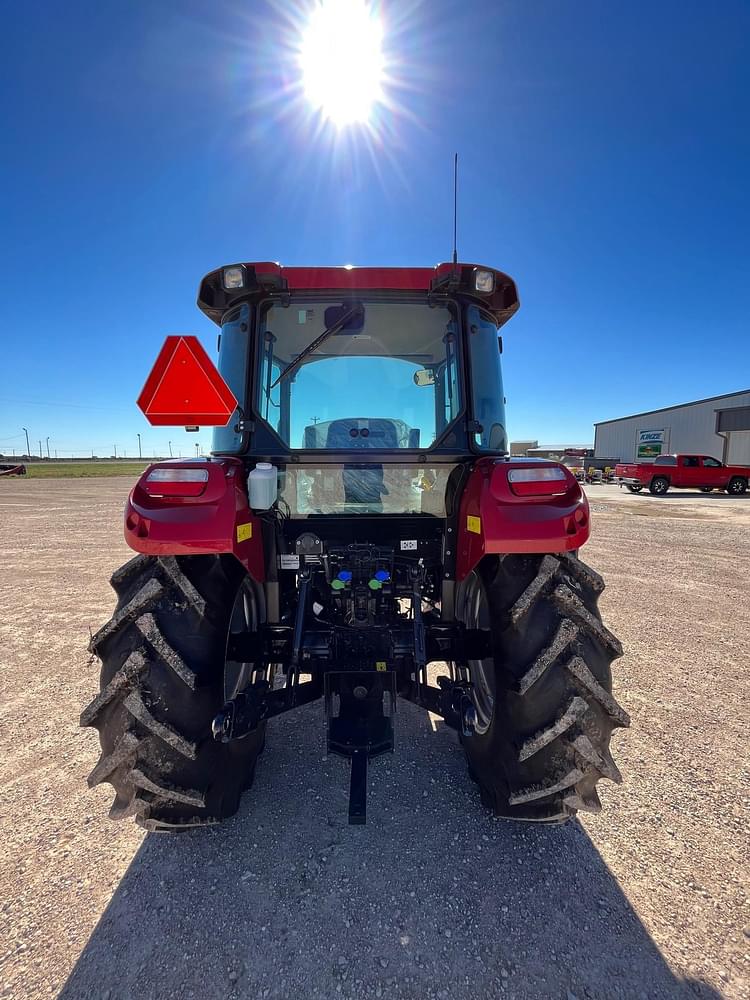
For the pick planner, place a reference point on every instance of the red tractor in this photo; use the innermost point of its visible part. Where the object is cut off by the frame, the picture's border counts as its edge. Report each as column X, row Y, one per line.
column 358, row 533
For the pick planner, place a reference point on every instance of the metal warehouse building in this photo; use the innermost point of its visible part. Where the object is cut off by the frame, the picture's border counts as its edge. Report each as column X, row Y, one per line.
column 718, row 426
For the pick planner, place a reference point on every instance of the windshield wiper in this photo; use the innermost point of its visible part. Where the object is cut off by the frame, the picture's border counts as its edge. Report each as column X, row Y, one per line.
column 334, row 328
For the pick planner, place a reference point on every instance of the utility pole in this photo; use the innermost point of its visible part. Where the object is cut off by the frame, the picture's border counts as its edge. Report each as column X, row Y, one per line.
column 197, row 449
column 115, row 451
column 55, row 453
column 28, row 446
column 40, row 450
column 47, row 447
column 170, row 449
column 139, row 447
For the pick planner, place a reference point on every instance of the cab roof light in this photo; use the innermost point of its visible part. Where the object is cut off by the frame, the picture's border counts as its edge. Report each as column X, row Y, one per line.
column 484, row 281
column 233, row 277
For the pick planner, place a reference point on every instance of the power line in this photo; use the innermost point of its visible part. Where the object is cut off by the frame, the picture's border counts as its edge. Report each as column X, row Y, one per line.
column 73, row 406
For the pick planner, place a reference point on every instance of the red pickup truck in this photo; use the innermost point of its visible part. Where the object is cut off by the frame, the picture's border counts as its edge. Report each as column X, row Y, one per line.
column 683, row 472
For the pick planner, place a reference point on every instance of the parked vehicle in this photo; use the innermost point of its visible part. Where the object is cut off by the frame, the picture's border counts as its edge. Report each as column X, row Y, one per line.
column 336, row 556
column 683, row 472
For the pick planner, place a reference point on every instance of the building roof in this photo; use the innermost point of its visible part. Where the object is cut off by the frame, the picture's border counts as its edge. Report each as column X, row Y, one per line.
column 677, row 406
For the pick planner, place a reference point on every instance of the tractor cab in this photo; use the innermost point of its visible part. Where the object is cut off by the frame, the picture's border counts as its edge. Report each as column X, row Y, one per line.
column 424, row 359
column 363, row 386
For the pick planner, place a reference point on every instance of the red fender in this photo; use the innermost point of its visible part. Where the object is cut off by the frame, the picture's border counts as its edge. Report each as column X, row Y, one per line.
column 217, row 520
column 494, row 519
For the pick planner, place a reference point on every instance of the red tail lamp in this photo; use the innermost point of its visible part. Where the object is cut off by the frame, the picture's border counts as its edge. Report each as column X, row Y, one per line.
column 174, row 482
column 545, row 481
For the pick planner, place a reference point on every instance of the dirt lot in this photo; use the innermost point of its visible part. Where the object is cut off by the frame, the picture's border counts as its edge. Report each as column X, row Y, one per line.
column 433, row 898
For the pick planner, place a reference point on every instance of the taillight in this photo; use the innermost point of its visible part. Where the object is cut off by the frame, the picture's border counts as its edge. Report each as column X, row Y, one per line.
column 176, row 482
column 547, row 480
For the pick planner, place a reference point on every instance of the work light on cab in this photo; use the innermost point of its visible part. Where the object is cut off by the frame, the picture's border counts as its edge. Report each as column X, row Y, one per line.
column 484, row 281
column 233, row 277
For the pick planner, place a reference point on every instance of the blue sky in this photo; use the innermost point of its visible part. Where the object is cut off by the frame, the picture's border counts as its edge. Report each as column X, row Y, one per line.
column 605, row 157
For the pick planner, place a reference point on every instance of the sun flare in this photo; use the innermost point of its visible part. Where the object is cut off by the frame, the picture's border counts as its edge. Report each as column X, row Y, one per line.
column 342, row 60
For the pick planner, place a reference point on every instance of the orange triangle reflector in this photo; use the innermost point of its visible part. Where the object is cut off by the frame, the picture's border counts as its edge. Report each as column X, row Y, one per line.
column 185, row 387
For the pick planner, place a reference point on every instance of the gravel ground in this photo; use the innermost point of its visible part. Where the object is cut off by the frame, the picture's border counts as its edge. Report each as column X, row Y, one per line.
column 433, row 898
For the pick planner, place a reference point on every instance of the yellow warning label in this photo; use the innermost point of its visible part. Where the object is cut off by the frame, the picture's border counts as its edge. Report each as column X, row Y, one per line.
column 381, row 665
column 474, row 524
column 244, row 531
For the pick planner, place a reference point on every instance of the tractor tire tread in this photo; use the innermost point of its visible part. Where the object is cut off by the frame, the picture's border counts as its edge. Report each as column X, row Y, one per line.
column 172, row 567
column 133, row 566
column 549, row 568
column 577, row 667
column 123, row 680
column 575, row 711
column 125, row 751
column 552, row 665
column 168, row 793
column 143, row 599
column 565, row 635
column 151, row 632
column 544, row 791
column 135, row 705
column 579, row 613
column 161, row 685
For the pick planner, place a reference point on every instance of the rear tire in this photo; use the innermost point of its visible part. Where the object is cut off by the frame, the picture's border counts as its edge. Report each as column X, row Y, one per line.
column 544, row 744
column 163, row 658
column 736, row 486
column 659, row 486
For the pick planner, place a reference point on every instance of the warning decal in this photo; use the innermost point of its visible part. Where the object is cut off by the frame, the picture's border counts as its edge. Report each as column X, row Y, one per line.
column 244, row 531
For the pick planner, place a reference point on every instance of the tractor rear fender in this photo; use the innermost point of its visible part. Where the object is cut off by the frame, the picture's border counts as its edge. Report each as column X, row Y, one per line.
column 163, row 519
column 495, row 519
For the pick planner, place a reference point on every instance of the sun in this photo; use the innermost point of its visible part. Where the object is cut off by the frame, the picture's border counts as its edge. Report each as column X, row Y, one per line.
column 342, row 60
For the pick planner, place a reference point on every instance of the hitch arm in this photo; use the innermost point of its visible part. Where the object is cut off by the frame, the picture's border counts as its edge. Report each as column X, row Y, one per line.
column 242, row 716
column 299, row 622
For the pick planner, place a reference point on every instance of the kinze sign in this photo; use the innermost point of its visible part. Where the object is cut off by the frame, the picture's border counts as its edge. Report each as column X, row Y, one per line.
column 650, row 444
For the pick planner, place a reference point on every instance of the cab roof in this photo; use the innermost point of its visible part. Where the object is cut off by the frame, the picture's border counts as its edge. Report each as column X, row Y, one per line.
column 264, row 277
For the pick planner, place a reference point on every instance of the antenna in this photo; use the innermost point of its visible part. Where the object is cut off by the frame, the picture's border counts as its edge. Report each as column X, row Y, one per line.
column 455, row 206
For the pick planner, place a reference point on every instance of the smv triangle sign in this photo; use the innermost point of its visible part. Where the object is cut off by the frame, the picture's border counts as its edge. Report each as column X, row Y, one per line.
column 185, row 387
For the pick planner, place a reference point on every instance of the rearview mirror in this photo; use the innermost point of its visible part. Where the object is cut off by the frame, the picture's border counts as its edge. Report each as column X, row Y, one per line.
column 424, row 376
column 354, row 324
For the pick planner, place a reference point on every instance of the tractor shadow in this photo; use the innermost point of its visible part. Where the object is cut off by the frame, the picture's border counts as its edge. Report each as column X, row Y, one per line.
column 433, row 898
